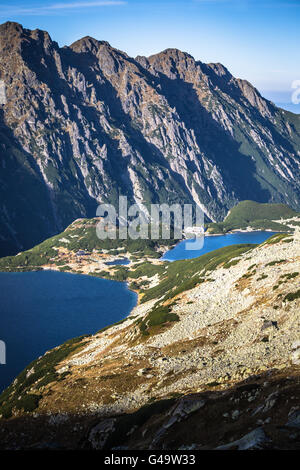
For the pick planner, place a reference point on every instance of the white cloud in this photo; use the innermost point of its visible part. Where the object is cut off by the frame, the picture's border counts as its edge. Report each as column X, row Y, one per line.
column 61, row 6
column 10, row 10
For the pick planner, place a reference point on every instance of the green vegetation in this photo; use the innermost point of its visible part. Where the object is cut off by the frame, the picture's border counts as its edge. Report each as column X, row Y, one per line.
column 269, row 225
column 119, row 274
column 80, row 235
column 28, row 402
column 123, row 273
column 38, row 373
column 289, row 276
column 110, row 326
column 263, row 276
column 158, row 316
column 181, row 276
column 249, row 274
column 184, row 275
column 251, row 267
column 277, row 238
column 212, row 384
column 255, row 215
column 275, row 262
column 284, row 278
column 147, row 269
column 231, row 263
column 248, row 211
column 292, row 296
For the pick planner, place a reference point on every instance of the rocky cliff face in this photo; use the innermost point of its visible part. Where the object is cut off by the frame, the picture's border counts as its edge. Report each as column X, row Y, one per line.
column 85, row 123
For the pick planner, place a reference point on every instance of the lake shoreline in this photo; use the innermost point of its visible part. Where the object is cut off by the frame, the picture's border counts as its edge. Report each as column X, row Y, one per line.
column 238, row 230
column 52, row 307
column 130, row 287
column 214, row 245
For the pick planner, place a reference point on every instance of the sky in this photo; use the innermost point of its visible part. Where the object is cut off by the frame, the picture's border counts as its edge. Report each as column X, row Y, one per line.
column 257, row 40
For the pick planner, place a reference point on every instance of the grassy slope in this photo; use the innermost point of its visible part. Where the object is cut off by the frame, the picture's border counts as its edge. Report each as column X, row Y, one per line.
column 80, row 235
column 181, row 276
column 256, row 215
column 175, row 278
column 248, row 211
column 42, row 370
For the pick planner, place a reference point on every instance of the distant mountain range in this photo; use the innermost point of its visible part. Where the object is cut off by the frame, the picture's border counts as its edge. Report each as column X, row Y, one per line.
column 86, row 123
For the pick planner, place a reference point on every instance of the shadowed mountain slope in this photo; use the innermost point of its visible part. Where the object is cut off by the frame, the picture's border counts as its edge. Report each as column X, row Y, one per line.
column 86, row 123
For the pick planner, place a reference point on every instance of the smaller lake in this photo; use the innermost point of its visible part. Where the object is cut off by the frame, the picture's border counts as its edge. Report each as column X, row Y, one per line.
column 40, row 310
column 117, row 262
column 210, row 243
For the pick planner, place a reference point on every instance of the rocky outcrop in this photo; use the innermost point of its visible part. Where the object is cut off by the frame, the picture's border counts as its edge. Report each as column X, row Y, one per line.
column 85, row 123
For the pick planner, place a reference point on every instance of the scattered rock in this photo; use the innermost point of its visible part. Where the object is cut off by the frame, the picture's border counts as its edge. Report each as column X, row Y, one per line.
column 62, row 370
column 252, row 440
column 269, row 324
column 100, row 433
column 294, row 420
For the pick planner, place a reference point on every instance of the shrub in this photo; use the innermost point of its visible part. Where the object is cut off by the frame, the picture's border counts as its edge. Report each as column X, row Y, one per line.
column 28, row 402
column 43, row 372
column 273, row 263
column 292, row 296
column 157, row 316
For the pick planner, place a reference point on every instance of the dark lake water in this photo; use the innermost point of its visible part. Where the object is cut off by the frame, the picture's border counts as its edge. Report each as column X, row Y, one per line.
column 116, row 262
column 211, row 243
column 40, row 310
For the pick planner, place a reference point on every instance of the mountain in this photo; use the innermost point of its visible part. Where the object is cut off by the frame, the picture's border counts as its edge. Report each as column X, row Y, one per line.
column 86, row 123
column 258, row 216
column 209, row 357
column 247, row 211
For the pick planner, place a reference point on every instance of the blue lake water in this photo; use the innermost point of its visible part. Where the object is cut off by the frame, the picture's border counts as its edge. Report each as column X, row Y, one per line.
column 40, row 310
column 116, row 262
column 210, row 243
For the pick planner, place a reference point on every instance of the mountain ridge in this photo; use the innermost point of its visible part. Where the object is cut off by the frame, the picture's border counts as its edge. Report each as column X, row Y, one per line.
column 86, row 123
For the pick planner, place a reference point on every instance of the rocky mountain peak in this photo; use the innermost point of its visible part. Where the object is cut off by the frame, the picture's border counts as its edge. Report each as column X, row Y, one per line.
column 220, row 70
column 12, row 33
column 23, row 49
column 88, row 44
column 86, row 123
column 11, row 27
column 171, row 52
column 172, row 62
column 10, row 36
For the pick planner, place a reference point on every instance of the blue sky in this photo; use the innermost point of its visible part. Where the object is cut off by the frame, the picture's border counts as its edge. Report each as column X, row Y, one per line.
column 255, row 39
